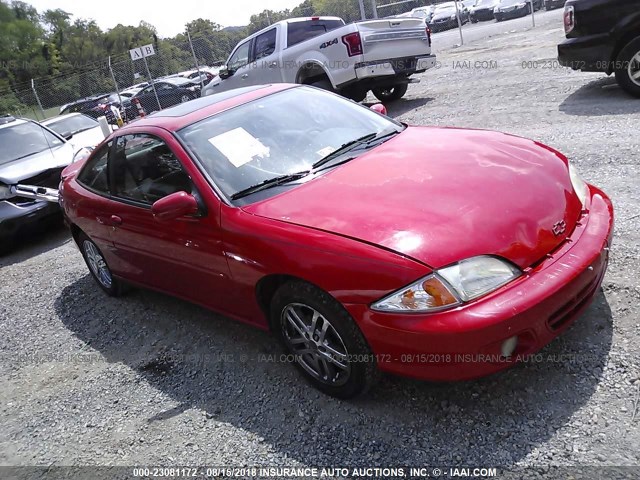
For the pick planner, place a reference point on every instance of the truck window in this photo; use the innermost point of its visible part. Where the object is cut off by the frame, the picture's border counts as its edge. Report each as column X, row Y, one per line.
column 240, row 57
column 265, row 44
column 300, row 31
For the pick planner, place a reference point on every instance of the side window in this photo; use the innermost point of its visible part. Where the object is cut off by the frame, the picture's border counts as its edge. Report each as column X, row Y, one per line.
column 144, row 169
column 94, row 174
column 164, row 86
column 240, row 57
column 265, row 44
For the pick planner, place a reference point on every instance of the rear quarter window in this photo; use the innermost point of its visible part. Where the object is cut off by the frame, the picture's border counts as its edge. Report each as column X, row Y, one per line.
column 300, row 31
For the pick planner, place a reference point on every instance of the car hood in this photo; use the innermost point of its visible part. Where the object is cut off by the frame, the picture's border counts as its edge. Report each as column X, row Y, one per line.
column 439, row 195
column 443, row 15
column 87, row 138
column 24, row 168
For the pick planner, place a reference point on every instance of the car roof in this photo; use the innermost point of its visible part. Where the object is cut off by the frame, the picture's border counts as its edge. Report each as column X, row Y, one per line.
column 175, row 80
column 62, row 117
column 15, row 121
column 185, row 114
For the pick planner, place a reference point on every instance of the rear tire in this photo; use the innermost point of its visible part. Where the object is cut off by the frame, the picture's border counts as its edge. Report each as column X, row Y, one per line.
column 98, row 267
column 389, row 94
column 628, row 75
column 324, row 84
column 328, row 347
column 355, row 93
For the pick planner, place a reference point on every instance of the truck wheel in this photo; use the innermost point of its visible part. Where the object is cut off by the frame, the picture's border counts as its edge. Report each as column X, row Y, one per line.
column 628, row 73
column 387, row 94
column 355, row 93
column 324, row 84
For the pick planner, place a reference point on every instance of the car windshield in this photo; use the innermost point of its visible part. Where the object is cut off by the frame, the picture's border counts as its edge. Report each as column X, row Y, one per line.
column 277, row 135
column 72, row 125
column 25, row 139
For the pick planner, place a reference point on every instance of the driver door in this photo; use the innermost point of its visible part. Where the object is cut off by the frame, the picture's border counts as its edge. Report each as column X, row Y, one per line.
column 242, row 72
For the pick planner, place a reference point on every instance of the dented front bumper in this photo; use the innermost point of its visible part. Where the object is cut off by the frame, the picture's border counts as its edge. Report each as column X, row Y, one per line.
column 26, row 207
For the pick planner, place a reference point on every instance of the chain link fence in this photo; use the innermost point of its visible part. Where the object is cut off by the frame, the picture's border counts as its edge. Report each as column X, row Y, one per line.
column 192, row 55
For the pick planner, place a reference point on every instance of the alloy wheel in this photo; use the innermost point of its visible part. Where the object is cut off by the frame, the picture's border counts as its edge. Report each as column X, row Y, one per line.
column 317, row 345
column 634, row 69
column 97, row 264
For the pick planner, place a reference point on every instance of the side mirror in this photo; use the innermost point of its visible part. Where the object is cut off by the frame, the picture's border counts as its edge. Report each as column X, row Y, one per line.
column 379, row 108
column 174, row 206
column 225, row 72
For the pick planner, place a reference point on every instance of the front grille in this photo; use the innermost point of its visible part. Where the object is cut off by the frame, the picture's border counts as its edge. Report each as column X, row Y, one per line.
column 49, row 178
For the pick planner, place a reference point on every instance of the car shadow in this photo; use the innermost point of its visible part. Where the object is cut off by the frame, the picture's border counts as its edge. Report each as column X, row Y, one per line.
column 232, row 372
column 600, row 97
column 402, row 106
column 34, row 243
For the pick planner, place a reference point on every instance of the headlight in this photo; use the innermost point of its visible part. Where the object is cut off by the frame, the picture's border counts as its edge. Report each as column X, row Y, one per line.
column 579, row 185
column 450, row 286
column 5, row 192
column 477, row 276
column 82, row 154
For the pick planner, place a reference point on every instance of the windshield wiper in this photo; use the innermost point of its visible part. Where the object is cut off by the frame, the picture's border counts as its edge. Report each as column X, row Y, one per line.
column 346, row 147
column 269, row 183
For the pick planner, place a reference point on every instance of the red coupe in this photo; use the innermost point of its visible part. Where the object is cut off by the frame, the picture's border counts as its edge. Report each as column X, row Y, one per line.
column 365, row 244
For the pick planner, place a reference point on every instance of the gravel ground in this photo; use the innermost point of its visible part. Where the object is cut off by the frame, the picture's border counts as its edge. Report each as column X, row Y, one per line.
column 147, row 379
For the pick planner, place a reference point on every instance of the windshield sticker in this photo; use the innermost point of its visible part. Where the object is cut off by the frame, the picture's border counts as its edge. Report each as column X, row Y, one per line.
column 325, row 151
column 239, row 146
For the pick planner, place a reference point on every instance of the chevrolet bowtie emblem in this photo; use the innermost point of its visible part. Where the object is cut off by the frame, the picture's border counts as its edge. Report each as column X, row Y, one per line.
column 559, row 228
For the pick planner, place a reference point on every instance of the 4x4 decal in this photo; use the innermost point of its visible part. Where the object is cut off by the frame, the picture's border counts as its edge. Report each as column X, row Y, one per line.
column 328, row 44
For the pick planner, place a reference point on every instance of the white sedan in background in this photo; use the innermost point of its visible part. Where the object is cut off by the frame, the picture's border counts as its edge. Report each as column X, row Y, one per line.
column 80, row 130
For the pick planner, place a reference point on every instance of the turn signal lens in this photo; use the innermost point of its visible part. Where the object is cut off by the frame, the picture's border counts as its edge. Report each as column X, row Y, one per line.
column 428, row 294
column 441, row 296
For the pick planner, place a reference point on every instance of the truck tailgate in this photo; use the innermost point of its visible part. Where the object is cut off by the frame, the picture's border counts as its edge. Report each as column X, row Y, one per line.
column 393, row 38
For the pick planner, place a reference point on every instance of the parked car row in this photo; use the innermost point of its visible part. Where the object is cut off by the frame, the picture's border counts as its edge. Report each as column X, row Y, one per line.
column 444, row 16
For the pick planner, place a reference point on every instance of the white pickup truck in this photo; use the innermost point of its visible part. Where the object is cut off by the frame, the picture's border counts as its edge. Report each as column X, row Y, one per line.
column 378, row 55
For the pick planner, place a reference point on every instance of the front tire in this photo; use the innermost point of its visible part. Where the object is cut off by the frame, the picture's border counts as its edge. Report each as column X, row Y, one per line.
column 327, row 345
column 628, row 68
column 98, row 267
column 389, row 94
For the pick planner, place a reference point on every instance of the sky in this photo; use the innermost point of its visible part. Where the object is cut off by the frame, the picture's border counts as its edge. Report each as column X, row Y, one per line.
column 169, row 17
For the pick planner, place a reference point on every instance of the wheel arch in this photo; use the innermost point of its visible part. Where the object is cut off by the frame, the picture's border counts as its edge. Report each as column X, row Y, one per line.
column 624, row 33
column 76, row 231
column 266, row 288
column 312, row 71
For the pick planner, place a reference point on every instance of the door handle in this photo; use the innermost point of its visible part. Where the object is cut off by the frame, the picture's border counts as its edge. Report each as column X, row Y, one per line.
column 246, row 75
column 116, row 220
